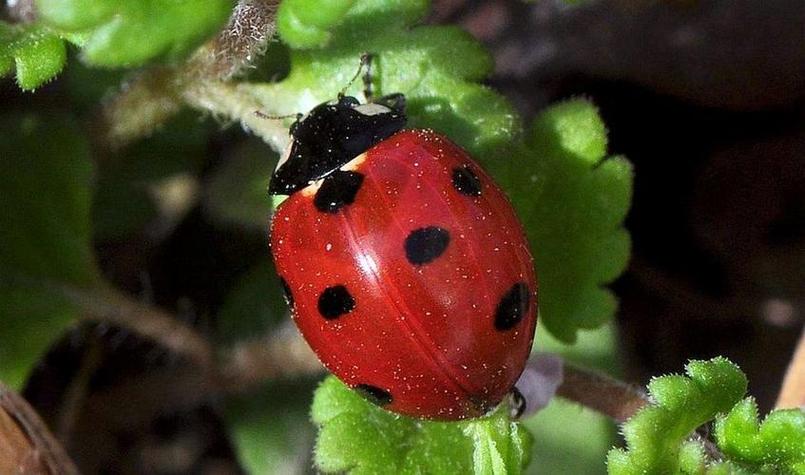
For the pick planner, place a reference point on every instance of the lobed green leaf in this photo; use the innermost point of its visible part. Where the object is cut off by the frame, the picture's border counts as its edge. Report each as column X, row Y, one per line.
column 35, row 53
column 435, row 67
column 45, row 175
column 130, row 33
column 657, row 435
column 360, row 438
column 777, row 445
column 306, row 24
column 572, row 200
column 571, row 197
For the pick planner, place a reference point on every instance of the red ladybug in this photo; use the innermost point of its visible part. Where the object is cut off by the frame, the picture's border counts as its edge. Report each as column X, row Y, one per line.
column 403, row 263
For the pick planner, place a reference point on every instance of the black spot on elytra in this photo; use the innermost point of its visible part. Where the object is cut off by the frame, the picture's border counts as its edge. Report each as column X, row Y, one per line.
column 337, row 190
column 373, row 394
column 335, row 301
column 512, row 307
column 286, row 292
column 424, row 245
column 466, row 181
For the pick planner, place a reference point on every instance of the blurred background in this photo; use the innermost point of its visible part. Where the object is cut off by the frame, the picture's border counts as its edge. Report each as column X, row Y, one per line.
column 707, row 100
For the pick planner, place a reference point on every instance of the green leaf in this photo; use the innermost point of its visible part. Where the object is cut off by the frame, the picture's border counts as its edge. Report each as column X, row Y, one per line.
column 691, row 458
column 254, row 306
column 572, row 201
column 34, row 52
column 777, row 445
column 305, row 24
column 360, row 438
column 45, row 175
column 436, row 67
column 237, row 190
column 132, row 32
column 657, row 433
column 270, row 429
column 125, row 193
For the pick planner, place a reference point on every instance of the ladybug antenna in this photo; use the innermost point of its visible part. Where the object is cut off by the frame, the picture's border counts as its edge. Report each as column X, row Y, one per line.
column 263, row 115
column 366, row 62
column 298, row 116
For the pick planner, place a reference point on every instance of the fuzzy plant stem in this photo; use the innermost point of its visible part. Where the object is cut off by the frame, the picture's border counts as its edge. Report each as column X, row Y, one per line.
column 601, row 393
column 281, row 354
column 153, row 96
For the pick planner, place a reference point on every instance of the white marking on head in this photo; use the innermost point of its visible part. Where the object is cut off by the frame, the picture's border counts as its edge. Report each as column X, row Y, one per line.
column 285, row 156
column 372, row 109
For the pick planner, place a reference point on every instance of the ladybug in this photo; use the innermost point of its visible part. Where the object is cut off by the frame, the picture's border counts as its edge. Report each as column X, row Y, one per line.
column 403, row 263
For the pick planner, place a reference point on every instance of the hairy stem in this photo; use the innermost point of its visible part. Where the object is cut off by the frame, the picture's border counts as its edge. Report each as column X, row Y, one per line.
column 22, row 11
column 150, row 98
column 238, row 101
column 107, row 305
column 601, row 393
column 281, row 354
column 244, row 39
column 251, row 363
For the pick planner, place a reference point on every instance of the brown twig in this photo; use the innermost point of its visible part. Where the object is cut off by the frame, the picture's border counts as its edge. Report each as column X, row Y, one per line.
column 792, row 393
column 601, row 393
column 280, row 354
column 45, row 450
column 110, row 306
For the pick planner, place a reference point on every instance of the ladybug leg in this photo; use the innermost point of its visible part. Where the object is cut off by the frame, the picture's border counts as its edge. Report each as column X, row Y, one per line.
column 517, row 404
column 366, row 62
column 368, row 89
column 395, row 102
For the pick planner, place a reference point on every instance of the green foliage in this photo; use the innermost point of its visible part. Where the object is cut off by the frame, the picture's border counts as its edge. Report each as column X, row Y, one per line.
column 775, row 446
column 255, row 305
column 236, row 190
column 572, row 200
column 656, row 436
column 36, row 54
column 129, row 33
column 306, row 24
column 124, row 200
column 358, row 437
column 45, row 175
column 269, row 429
column 436, row 67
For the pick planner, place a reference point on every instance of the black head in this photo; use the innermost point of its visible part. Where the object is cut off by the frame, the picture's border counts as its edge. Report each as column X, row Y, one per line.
column 331, row 135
